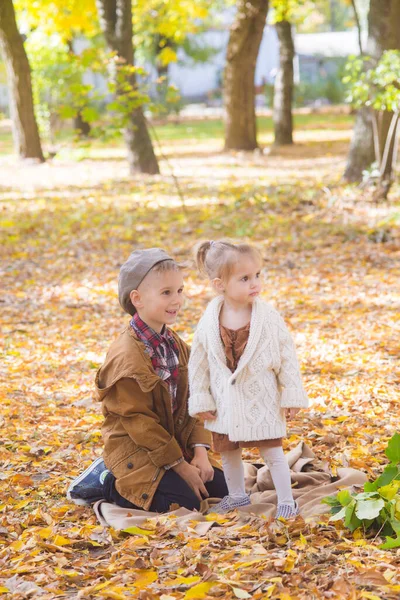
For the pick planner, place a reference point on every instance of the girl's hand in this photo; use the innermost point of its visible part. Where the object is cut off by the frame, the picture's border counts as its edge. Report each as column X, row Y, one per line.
column 209, row 416
column 290, row 413
column 201, row 462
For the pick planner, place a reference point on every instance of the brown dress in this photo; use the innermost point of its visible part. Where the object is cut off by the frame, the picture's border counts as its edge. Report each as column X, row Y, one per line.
column 235, row 341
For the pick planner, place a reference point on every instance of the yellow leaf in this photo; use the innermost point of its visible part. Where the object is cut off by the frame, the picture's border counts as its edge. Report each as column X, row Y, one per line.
column 240, row 565
column 3, row 590
column 59, row 571
column 289, row 564
column 167, row 55
column 370, row 596
column 181, row 580
column 145, row 578
column 271, row 590
column 199, row 590
column 45, row 532
column 60, row 540
column 22, row 504
column 187, row 580
column 114, row 594
column 220, row 519
column 17, row 545
column 196, row 543
column 137, row 531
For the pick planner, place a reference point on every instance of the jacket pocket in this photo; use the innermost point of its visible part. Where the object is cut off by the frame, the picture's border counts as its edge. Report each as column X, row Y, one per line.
column 135, row 473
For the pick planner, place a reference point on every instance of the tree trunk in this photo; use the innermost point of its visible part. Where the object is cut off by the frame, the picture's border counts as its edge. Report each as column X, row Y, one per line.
column 283, row 89
column 116, row 23
column 243, row 46
column 358, row 23
column 25, row 130
column 82, row 126
column 383, row 34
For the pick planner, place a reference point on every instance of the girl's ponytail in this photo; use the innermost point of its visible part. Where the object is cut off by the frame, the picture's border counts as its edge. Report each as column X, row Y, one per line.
column 200, row 252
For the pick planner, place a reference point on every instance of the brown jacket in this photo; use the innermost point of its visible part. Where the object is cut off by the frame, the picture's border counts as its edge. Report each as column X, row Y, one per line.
column 140, row 433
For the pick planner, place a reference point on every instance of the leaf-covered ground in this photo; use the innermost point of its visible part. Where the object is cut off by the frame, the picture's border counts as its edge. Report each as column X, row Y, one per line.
column 331, row 267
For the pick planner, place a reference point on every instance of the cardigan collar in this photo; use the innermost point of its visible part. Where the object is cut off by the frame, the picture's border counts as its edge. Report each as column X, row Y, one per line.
column 212, row 312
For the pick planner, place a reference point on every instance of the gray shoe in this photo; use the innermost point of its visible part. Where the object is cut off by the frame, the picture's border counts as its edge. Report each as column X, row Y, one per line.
column 286, row 511
column 229, row 503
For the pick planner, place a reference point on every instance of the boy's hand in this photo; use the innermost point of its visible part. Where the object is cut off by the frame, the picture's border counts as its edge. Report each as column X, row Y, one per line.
column 202, row 463
column 191, row 475
column 290, row 413
column 209, row 416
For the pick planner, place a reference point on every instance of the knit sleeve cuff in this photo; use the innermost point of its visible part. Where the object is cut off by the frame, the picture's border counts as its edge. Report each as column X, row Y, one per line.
column 201, row 403
column 294, row 398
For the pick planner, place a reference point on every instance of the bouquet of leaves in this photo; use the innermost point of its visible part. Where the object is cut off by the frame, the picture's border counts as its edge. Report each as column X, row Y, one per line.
column 377, row 508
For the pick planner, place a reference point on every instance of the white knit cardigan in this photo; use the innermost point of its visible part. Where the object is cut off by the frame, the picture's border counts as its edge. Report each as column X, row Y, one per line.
column 250, row 401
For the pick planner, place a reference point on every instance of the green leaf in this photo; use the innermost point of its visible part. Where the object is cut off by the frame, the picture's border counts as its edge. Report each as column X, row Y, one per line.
column 90, row 114
column 396, row 526
column 393, row 449
column 339, row 515
column 351, row 521
column 67, row 112
column 390, row 543
column 344, row 497
column 389, row 491
column 370, row 486
column 366, row 496
column 390, row 473
column 330, row 501
column 369, row 509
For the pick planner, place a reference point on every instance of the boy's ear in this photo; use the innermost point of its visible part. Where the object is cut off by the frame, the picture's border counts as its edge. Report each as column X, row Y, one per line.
column 218, row 284
column 136, row 299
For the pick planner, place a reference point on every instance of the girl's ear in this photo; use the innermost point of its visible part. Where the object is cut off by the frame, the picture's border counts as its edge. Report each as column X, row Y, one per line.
column 218, row 284
column 136, row 299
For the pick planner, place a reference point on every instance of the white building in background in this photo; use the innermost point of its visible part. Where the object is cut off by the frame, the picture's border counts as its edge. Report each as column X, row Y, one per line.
column 317, row 56
column 199, row 80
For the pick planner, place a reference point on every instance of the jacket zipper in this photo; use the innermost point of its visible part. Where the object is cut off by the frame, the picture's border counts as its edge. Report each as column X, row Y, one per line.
column 156, row 475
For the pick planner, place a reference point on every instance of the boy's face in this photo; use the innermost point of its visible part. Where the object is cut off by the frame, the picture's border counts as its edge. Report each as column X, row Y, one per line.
column 159, row 298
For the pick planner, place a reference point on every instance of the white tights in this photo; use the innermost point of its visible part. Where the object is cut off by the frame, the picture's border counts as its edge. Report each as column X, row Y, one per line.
column 275, row 459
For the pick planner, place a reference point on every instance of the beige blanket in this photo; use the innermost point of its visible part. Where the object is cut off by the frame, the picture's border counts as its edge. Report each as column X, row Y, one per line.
column 309, row 481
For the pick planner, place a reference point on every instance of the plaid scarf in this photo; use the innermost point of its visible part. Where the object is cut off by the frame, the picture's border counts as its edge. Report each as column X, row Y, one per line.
column 163, row 352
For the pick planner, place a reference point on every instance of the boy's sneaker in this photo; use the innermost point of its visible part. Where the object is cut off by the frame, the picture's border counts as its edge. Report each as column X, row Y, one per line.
column 88, row 487
column 229, row 503
column 286, row 511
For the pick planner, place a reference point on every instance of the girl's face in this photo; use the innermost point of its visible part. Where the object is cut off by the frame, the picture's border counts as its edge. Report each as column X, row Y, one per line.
column 244, row 283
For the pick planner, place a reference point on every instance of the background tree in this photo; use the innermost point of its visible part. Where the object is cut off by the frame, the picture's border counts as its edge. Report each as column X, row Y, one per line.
column 383, row 34
column 243, row 46
column 116, row 24
column 283, row 85
column 284, row 11
column 25, row 130
column 53, row 27
column 377, row 87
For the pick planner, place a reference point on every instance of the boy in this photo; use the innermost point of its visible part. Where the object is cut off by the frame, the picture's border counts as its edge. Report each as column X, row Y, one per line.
column 155, row 454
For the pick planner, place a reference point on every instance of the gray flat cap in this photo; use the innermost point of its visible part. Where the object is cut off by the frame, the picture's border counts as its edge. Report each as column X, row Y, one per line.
column 134, row 270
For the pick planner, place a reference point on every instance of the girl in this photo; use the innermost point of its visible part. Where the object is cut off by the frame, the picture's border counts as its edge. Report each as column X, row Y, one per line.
column 243, row 372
